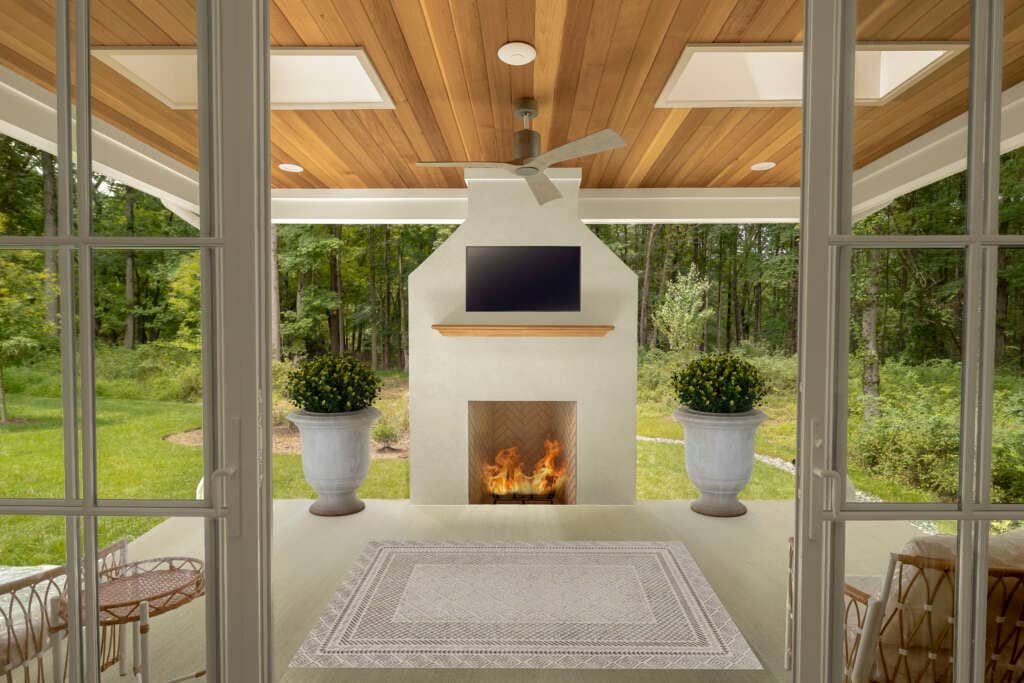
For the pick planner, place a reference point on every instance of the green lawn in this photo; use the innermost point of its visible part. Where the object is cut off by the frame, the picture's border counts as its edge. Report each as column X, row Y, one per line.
column 134, row 460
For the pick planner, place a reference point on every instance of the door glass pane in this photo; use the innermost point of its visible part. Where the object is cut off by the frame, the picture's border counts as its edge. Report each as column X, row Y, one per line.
column 31, row 410
column 903, row 416
column 151, row 569
column 1011, row 177
column 145, row 99
column 1008, row 384
column 28, row 143
column 911, row 76
column 911, row 618
column 149, row 377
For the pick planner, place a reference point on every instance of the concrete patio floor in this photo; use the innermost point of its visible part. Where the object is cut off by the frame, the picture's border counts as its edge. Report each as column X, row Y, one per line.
column 743, row 558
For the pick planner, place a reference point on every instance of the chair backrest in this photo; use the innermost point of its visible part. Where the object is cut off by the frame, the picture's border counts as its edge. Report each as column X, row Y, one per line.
column 25, row 620
column 915, row 639
column 24, row 617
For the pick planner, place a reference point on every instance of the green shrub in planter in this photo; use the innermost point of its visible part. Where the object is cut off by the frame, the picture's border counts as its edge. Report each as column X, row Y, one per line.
column 720, row 383
column 329, row 384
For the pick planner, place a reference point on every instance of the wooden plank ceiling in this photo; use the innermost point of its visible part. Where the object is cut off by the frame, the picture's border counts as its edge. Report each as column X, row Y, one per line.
column 601, row 63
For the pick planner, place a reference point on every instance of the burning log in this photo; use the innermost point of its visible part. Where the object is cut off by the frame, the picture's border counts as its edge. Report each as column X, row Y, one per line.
column 505, row 477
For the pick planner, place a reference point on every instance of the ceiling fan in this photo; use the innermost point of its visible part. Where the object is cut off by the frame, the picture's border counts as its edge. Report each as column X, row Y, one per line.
column 529, row 164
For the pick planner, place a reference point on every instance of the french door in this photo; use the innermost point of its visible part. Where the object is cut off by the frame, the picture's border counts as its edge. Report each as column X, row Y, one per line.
column 92, row 426
column 956, row 489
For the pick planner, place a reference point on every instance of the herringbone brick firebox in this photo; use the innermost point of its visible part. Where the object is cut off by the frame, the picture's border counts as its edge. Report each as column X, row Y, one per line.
column 522, row 449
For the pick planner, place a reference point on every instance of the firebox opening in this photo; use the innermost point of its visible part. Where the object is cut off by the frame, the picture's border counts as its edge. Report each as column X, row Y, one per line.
column 522, row 452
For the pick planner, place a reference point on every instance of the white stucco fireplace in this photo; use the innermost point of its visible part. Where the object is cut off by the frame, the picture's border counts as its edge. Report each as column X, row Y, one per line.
column 456, row 383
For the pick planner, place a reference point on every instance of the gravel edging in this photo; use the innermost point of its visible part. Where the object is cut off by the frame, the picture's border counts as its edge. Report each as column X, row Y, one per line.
column 925, row 526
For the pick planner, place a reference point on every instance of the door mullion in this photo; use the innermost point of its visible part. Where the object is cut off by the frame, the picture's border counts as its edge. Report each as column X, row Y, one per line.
column 983, row 117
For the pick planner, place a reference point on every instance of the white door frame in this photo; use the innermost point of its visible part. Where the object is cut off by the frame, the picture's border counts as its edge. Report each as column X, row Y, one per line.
column 826, row 241
column 233, row 242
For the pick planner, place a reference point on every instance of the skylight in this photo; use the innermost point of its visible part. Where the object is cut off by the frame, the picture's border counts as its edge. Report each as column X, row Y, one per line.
column 300, row 78
column 771, row 75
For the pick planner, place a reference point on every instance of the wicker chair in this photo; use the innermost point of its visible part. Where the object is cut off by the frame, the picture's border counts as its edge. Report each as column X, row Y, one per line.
column 909, row 636
column 903, row 637
column 29, row 629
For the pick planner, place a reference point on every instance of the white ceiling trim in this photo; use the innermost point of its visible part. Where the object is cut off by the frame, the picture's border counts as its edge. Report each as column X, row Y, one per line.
column 27, row 113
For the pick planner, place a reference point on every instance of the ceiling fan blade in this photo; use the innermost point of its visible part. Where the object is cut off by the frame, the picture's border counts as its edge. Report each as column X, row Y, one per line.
column 600, row 141
column 543, row 189
column 465, row 164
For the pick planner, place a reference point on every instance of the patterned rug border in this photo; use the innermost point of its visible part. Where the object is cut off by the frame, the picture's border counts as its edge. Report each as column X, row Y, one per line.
column 738, row 655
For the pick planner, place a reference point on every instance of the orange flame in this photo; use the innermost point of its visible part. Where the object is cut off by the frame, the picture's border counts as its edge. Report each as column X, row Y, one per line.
column 506, row 475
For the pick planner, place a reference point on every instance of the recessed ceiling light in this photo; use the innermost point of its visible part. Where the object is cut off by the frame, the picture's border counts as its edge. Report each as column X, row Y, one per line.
column 291, row 168
column 763, row 166
column 517, row 54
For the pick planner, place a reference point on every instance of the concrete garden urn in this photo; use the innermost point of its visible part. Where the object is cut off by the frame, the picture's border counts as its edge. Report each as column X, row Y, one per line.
column 335, row 457
column 719, row 457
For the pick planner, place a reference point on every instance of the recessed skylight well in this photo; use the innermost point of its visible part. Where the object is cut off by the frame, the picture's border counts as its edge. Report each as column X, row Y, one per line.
column 300, row 78
column 771, row 75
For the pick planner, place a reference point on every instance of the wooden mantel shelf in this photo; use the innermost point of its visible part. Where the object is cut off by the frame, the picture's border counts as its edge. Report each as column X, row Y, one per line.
column 524, row 330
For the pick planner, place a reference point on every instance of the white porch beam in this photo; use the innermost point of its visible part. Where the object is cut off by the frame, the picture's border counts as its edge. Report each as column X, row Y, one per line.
column 688, row 205
column 938, row 154
column 28, row 113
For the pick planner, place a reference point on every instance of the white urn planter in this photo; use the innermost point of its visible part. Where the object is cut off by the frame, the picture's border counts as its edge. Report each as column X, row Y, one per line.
column 335, row 457
column 719, row 457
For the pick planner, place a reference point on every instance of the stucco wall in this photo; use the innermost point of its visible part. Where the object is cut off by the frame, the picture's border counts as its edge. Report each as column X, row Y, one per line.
column 448, row 372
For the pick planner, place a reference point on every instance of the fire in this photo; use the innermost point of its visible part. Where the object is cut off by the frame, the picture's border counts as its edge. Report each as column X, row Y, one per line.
column 506, row 475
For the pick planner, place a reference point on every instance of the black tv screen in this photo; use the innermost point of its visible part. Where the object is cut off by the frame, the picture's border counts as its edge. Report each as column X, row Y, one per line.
column 522, row 278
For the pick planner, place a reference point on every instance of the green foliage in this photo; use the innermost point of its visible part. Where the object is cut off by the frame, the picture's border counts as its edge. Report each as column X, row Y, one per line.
column 25, row 291
column 681, row 315
column 385, row 433
column 329, row 384
column 720, row 383
column 158, row 372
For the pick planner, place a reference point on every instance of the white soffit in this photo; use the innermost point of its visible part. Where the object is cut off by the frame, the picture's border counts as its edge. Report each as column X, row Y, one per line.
column 771, row 74
column 300, row 78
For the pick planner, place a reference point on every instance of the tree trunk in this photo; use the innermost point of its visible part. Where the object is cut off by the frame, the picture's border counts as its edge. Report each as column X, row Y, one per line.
column 403, row 296
column 372, row 255
column 734, row 287
column 3, row 397
column 129, row 272
column 275, row 298
column 387, row 296
column 50, row 230
column 645, row 286
column 869, row 336
column 335, row 319
column 718, row 307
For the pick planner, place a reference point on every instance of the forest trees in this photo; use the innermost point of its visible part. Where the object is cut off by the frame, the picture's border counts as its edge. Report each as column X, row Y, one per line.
column 343, row 289
column 26, row 291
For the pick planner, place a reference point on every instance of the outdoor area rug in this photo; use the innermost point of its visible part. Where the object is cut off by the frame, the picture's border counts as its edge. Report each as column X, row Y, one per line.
column 577, row 605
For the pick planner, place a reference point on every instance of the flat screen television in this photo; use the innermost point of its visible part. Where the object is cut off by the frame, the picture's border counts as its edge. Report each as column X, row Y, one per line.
column 522, row 278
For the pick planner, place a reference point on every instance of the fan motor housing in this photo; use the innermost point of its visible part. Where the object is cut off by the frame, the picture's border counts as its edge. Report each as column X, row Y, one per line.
column 525, row 144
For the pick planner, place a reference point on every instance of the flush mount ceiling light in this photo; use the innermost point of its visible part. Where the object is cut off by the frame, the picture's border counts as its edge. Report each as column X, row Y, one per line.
column 517, row 54
column 300, row 78
column 763, row 166
column 291, row 168
column 771, row 75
